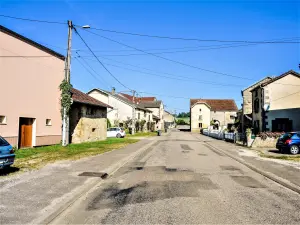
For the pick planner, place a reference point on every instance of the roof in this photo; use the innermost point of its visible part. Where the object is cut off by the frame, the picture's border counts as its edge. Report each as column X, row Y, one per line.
column 290, row 72
column 257, row 83
column 217, row 104
column 83, row 98
column 121, row 98
column 138, row 99
column 31, row 42
column 153, row 104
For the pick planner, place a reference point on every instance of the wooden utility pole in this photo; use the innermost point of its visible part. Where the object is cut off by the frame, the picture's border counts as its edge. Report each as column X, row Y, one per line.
column 65, row 130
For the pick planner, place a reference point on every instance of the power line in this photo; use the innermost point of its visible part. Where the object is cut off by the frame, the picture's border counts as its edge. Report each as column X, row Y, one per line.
column 188, row 79
column 100, row 61
column 187, row 39
column 171, row 60
column 103, row 81
column 33, row 20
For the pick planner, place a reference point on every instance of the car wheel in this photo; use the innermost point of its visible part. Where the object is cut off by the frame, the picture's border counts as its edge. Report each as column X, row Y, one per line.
column 118, row 135
column 294, row 149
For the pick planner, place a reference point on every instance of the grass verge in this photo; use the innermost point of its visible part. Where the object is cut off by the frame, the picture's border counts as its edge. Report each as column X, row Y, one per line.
column 33, row 158
column 142, row 134
column 295, row 158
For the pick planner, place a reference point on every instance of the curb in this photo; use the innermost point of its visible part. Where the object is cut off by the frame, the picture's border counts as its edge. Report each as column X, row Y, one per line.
column 269, row 175
column 110, row 171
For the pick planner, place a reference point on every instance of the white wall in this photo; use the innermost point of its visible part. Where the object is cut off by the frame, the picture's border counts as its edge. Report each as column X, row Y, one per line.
column 195, row 113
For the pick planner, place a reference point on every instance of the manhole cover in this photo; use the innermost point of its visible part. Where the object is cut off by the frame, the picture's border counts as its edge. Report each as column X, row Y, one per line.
column 93, row 174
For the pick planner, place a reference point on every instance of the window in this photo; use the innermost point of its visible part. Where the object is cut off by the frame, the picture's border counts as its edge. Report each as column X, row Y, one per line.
column 3, row 142
column 48, row 122
column 256, row 105
column 145, row 114
column 149, row 117
column 200, row 117
column 139, row 116
column 199, row 110
column 2, row 119
column 256, row 93
column 200, row 125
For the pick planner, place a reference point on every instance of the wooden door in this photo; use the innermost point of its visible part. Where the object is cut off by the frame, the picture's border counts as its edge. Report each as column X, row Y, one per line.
column 26, row 136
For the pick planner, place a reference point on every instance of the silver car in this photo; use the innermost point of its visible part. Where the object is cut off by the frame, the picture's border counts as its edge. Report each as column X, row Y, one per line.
column 116, row 132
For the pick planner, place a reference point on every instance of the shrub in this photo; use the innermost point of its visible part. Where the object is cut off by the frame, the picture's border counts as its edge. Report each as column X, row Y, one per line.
column 181, row 122
column 108, row 123
column 265, row 135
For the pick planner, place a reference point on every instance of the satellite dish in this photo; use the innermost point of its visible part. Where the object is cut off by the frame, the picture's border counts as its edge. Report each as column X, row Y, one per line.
column 266, row 107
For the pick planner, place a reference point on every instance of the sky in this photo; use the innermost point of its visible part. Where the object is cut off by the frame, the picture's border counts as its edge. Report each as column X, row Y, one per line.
column 202, row 69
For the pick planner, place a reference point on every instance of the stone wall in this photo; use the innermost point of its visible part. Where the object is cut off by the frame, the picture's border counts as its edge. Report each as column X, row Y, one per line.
column 89, row 129
column 267, row 143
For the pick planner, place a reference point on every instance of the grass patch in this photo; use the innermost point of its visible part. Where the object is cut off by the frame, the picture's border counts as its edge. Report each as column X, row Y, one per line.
column 33, row 158
column 142, row 134
column 295, row 158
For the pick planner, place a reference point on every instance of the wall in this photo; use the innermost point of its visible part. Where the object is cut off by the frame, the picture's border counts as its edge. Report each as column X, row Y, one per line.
column 195, row 113
column 85, row 126
column 292, row 114
column 223, row 117
column 31, row 89
column 102, row 97
column 257, row 116
column 284, row 96
column 267, row 143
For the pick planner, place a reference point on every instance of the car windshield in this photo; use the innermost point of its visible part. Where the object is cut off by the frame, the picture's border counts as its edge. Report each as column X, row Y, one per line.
column 3, row 142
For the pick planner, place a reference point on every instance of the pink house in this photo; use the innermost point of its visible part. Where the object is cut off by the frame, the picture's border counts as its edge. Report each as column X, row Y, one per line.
column 30, row 76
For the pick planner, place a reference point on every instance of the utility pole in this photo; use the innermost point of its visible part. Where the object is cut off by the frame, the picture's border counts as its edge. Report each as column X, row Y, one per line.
column 65, row 130
column 133, row 113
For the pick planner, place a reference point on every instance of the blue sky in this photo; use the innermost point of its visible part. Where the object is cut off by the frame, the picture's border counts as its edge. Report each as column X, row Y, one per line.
column 218, row 20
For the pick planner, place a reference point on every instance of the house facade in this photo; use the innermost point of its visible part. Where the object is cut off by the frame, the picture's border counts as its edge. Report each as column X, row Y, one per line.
column 31, row 75
column 204, row 112
column 169, row 120
column 123, row 108
column 88, row 118
column 246, row 117
column 157, row 109
column 276, row 104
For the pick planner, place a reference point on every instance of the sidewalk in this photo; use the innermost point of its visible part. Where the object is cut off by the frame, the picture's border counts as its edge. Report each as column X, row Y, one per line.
column 287, row 170
column 29, row 196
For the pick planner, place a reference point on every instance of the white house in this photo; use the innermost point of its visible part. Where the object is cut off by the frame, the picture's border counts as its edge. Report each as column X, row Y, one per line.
column 122, row 107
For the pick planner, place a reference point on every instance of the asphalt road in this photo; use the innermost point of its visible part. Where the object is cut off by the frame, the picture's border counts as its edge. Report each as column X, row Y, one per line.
column 182, row 180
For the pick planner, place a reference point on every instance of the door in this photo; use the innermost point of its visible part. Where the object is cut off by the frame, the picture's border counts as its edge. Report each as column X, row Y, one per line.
column 25, row 135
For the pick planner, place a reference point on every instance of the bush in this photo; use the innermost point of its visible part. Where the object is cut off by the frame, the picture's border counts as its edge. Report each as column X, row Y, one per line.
column 181, row 122
column 265, row 135
column 108, row 123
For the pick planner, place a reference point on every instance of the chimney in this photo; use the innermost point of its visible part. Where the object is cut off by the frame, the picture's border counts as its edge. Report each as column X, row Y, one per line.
column 113, row 91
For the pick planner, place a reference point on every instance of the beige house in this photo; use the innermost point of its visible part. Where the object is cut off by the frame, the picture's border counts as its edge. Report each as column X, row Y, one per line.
column 30, row 105
column 169, row 119
column 246, row 114
column 88, row 118
column 123, row 108
column 276, row 104
column 206, row 111
column 157, row 109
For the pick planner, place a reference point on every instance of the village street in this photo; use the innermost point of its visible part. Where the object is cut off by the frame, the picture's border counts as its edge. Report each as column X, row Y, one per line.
column 182, row 179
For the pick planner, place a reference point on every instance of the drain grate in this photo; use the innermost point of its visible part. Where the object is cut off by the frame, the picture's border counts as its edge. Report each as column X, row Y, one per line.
column 202, row 154
column 185, row 151
column 171, row 169
column 94, row 174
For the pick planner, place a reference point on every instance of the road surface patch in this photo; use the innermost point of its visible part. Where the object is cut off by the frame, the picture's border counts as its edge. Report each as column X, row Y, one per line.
column 247, row 181
column 202, row 154
column 230, row 168
column 186, row 147
column 215, row 151
column 185, row 151
column 93, row 174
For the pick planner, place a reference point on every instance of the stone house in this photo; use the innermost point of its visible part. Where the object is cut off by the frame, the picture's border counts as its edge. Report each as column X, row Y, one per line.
column 123, row 108
column 203, row 111
column 246, row 117
column 30, row 75
column 276, row 104
column 88, row 118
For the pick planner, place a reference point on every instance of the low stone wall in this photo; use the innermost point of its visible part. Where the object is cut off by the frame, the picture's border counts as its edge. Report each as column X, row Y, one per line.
column 90, row 129
column 267, row 143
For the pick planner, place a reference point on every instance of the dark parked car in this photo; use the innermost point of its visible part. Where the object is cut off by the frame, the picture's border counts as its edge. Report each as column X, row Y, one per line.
column 7, row 156
column 290, row 142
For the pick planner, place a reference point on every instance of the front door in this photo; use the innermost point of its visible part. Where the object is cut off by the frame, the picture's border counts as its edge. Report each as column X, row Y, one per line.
column 25, row 136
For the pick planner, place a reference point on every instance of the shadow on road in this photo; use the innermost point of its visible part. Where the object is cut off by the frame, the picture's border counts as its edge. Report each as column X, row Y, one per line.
column 8, row 170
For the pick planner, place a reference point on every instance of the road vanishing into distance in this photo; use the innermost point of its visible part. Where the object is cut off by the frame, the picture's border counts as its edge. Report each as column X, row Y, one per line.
column 182, row 179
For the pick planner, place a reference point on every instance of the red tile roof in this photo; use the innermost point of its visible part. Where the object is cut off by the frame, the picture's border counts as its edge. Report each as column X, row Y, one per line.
column 217, row 104
column 81, row 97
column 139, row 99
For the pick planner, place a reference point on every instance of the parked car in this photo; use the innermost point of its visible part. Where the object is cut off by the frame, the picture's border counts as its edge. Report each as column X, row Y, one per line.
column 116, row 132
column 290, row 142
column 7, row 156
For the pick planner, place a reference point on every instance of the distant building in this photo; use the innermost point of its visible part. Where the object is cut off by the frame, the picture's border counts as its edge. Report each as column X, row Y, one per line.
column 169, row 120
column 206, row 111
column 276, row 104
